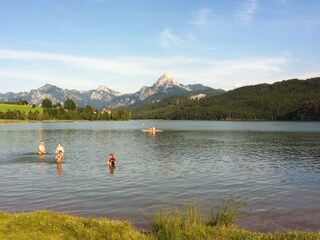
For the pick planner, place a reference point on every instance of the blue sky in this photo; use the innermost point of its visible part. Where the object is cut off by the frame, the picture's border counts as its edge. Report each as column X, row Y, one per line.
column 126, row 44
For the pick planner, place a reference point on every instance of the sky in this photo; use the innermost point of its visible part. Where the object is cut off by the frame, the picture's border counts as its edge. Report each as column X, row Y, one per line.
column 127, row 44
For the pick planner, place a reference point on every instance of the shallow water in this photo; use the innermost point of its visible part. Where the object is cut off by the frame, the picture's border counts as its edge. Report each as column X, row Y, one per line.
column 274, row 166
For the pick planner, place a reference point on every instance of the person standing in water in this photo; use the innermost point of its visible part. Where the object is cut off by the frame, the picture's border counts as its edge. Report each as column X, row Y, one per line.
column 42, row 148
column 112, row 160
column 59, row 156
column 60, row 150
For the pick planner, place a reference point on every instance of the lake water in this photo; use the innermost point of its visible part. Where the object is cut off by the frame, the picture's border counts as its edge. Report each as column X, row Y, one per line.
column 274, row 166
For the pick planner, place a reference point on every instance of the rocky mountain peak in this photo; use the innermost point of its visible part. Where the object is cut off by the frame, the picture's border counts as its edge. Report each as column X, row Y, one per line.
column 166, row 81
column 103, row 88
column 106, row 91
column 46, row 87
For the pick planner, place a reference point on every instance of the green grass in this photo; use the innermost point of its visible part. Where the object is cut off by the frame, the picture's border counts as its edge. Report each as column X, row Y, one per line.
column 5, row 107
column 227, row 212
column 9, row 121
column 190, row 222
column 49, row 225
column 168, row 223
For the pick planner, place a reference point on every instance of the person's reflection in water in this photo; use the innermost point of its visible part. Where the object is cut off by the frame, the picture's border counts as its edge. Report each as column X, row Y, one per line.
column 111, row 169
column 41, row 162
column 59, row 169
column 152, row 135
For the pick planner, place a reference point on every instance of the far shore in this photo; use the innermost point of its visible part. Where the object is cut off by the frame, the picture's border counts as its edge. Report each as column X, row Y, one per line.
column 10, row 121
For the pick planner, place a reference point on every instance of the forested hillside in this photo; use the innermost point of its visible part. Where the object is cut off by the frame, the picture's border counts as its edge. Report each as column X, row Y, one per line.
column 287, row 100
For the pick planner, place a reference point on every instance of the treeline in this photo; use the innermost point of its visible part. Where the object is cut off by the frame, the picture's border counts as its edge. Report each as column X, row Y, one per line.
column 67, row 112
column 19, row 102
column 287, row 100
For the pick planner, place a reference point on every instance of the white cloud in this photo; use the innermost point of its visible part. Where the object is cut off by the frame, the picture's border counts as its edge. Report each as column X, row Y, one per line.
column 247, row 14
column 40, row 78
column 169, row 39
column 135, row 71
column 308, row 74
column 203, row 17
column 106, row 65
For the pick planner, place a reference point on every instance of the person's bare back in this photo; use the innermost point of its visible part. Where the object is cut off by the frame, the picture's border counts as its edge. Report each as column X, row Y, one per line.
column 41, row 148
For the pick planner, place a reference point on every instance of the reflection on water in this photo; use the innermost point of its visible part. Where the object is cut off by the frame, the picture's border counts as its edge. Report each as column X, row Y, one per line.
column 42, row 165
column 111, row 168
column 274, row 165
column 59, row 169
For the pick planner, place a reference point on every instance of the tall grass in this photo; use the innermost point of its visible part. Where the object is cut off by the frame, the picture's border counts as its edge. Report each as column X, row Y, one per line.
column 170, row 223
column 227, row 212
column 175, row 223
column 191, row 222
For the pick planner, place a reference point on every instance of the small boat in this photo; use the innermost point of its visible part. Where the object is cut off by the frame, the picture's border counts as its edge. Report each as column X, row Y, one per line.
column 152, row 130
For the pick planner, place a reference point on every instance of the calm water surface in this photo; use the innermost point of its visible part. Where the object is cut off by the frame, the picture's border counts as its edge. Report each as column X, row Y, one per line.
column 274, row 166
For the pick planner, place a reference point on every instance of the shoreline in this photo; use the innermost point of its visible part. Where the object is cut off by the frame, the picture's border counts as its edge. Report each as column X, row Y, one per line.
column 52, row 225
column 13, row 121
column 9, row 121
column 243, row 222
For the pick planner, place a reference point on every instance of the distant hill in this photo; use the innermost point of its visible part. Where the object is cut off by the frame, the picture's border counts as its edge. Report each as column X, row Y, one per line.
column 279, row 101
column 103, row 97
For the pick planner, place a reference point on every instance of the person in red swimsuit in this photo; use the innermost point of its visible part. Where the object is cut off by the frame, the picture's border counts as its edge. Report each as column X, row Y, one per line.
column 112, row 160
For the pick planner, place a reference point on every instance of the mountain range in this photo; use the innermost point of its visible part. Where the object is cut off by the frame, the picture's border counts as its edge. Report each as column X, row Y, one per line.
column 103, row 97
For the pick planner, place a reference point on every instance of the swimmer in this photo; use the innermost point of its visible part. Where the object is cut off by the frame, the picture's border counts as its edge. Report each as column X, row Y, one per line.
column 112, row 160
column 41, row 148
column 59, row 156
column 60, row 148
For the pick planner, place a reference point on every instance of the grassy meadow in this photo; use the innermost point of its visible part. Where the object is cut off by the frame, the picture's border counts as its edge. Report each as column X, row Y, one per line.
column 5, row 107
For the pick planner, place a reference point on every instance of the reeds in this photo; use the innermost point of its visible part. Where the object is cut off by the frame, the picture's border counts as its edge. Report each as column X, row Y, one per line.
column 227, row 212
column 190, row 222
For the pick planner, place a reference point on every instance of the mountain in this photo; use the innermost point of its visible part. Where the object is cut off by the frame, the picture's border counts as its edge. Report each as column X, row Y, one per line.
column 164, row 87
column 98, row 97
column 102, row 97
column 286, row 100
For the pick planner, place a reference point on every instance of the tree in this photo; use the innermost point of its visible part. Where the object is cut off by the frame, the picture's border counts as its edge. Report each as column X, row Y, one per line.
column 70, row 104
column 34, row 115
column 22, row 102
column 46, row 103
column 57, row 105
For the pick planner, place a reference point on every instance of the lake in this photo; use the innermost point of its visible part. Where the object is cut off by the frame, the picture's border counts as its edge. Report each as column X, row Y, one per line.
column 273, row 166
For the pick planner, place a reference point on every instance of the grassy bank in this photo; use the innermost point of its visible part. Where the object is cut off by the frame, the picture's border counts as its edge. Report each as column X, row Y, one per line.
column 49, row 225
column 37, row 121
column 12, row 121
column 167, row 224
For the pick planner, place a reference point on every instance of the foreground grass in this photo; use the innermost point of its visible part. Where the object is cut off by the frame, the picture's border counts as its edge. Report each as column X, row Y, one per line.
column 189, row 222
column 5, row 107
column 166, row 225
column 49, row 225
